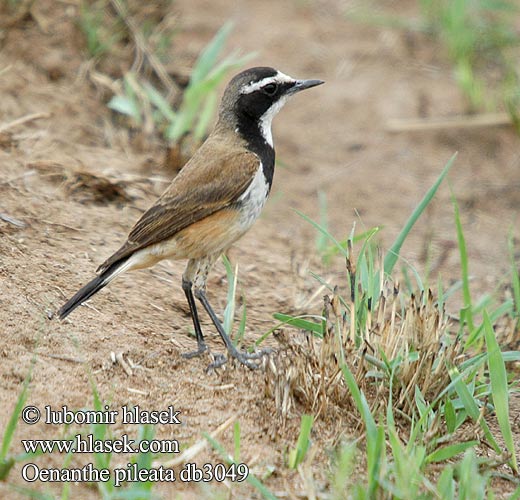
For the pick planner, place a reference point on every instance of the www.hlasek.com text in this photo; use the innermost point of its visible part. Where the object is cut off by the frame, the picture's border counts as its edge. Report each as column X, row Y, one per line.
column 88, row 444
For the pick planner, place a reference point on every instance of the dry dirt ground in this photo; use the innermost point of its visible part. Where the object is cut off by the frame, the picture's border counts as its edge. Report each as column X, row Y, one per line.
column 333, row 139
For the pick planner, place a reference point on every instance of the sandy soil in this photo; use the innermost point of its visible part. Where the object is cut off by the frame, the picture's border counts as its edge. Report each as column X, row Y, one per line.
column 333, row 139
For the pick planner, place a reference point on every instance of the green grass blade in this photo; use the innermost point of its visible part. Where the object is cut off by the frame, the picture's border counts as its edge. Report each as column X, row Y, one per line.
column 498, row 378
column 359, row 400
column 206, row 115
column 229, row 311
column 321, row 239
column 441, row 299
column 242, row 325
column 196, row 94
column 236, row 440
column 511, row 356
column 484, row 302
column 393, row 253
column 466, row 293
column 471, row 483
column 343, row 470
column 452, row 290
column 65, row 491
column 390, row 405
column 515, row 495
column 418, row 280
column 261, row 339
column 446, row 484
column 446, row 452
column 205, row 77
column 142, row 489
column 159, row 102
column 15, row 417
column 125, row 106
column 210, row 54
column 375, row 458
column 6, row 463
column 450, row 416
column 297, row 454
column 506, row 308
column 99, row 431
column 332, row 251
column 299, row 322
column 366, row 272
column 471, row 406
column 342, row 250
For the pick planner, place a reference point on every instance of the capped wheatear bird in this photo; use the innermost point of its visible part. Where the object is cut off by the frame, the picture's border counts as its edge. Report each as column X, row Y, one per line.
column 213, row 201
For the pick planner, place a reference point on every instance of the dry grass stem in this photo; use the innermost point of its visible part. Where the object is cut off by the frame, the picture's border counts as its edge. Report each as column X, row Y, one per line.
column 467, row 121
column 22, row 120
column 142, row 50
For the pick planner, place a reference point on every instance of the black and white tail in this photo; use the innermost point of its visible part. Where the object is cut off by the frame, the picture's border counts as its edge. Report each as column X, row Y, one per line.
column 93, row 287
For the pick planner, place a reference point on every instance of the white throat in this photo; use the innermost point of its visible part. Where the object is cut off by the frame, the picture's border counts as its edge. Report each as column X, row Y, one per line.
column 267, row 119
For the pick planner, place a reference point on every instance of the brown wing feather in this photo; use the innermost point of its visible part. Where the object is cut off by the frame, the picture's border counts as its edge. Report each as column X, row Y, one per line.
column 214, row 178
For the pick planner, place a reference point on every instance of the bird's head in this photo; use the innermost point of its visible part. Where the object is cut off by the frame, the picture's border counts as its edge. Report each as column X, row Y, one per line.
column 253, row 97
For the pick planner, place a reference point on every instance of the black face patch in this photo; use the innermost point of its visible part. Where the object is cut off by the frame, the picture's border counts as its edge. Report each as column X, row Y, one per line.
column 256, row 103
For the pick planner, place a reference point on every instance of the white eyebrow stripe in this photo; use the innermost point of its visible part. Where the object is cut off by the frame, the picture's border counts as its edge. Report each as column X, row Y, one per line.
column 254, row 86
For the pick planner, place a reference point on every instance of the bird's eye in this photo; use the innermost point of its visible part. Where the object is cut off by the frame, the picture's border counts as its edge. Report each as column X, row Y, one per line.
column 270, row 89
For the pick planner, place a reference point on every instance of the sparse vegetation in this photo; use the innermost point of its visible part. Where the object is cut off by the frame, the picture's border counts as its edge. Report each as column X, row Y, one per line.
column 479, row 37
column 298, row 453
column 415, row 381
column 7, row 460
column 101, row 32
column 143, row 102
column 477, row 34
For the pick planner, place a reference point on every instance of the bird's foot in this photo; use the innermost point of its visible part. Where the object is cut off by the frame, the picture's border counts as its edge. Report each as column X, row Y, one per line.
column 202, row 348
column 252, row 360
column 218, row 361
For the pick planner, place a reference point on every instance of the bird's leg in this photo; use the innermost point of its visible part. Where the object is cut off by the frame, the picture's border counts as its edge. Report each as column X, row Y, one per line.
column 243, row 357
column 202, row 347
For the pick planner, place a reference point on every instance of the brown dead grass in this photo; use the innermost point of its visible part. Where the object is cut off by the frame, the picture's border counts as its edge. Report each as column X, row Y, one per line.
column 334, row 141
column 305, row 373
